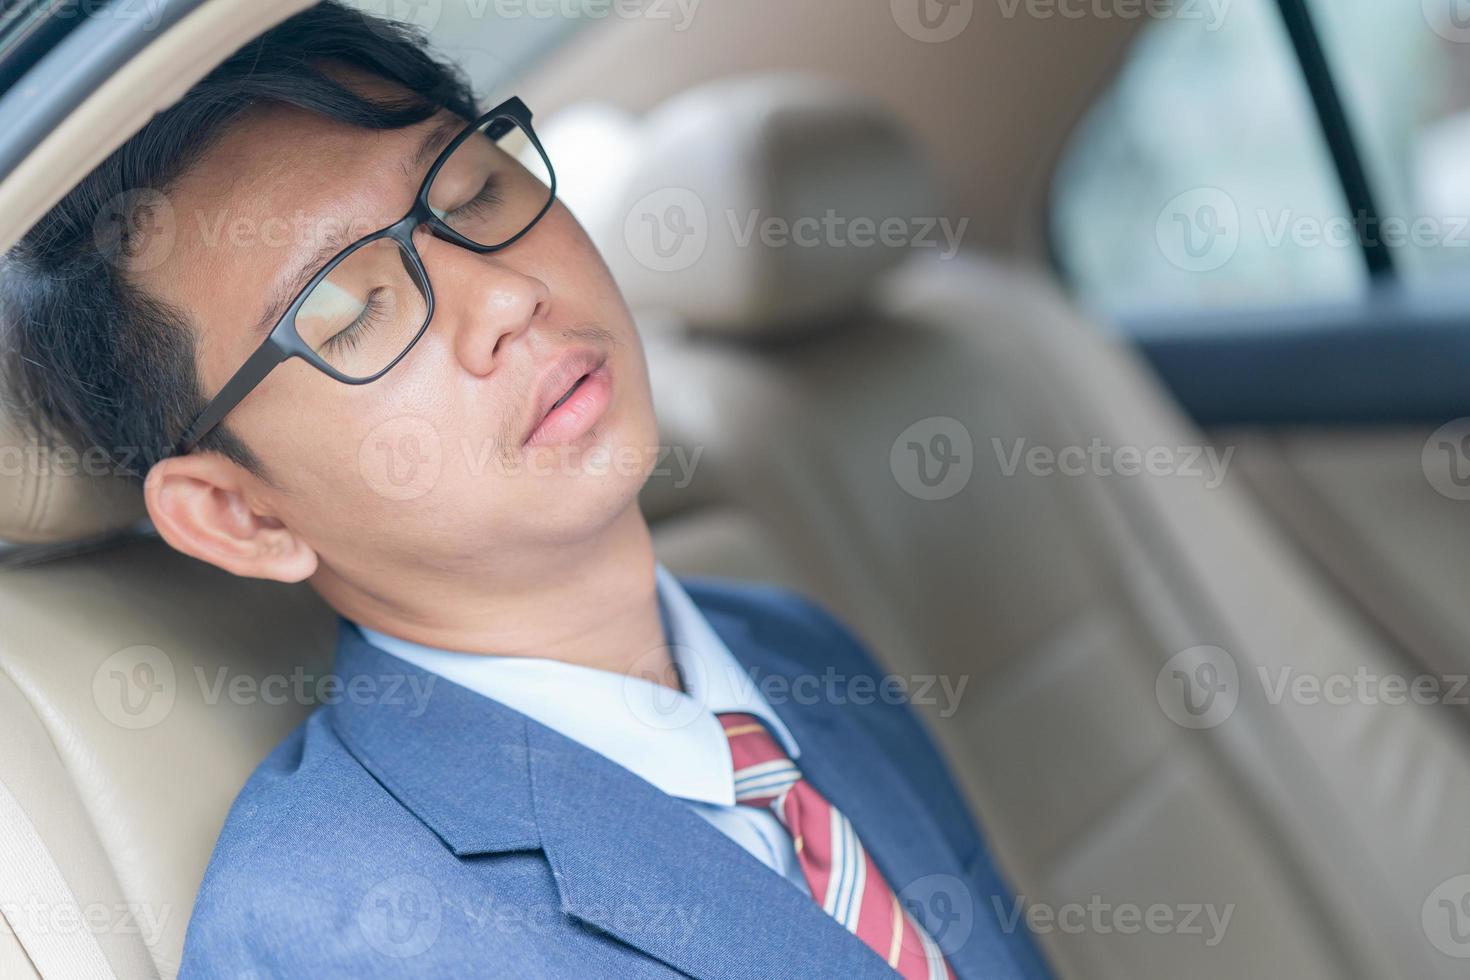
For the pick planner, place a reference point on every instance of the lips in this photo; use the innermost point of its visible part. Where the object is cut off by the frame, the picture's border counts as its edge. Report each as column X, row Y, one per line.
column 563, row 399
column 571, row 395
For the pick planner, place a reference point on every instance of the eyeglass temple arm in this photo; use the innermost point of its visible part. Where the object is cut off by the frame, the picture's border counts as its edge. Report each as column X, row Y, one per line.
column 251, row 373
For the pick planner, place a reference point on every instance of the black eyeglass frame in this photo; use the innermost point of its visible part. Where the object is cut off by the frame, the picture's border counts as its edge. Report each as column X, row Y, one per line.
column 284, row 342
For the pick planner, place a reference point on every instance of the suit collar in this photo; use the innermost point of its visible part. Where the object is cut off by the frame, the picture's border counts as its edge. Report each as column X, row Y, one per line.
column 457, row 761
column 475, row 792
column 671, row 739
column 487, row 780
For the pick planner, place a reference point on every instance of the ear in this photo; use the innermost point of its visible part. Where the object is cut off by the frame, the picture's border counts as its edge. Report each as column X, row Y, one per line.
column 200, row 505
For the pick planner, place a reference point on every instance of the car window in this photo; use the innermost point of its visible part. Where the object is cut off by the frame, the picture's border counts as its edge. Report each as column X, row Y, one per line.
column 1404, row 73
column 1202, row 179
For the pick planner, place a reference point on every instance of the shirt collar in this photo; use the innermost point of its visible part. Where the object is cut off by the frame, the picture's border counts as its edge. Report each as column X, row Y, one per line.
column 671, row 739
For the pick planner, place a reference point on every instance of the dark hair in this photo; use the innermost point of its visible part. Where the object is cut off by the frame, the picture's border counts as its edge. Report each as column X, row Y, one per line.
column 88, row 357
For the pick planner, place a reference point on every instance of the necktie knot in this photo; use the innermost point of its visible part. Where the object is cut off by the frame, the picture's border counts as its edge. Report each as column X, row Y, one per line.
column 763, row 771
column 839, row 872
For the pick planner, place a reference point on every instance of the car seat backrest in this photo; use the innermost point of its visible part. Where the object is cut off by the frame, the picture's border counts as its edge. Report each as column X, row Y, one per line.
column 883, row 456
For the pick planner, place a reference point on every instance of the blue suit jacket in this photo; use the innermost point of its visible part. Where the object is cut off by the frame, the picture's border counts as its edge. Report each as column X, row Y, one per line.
column 452, row 836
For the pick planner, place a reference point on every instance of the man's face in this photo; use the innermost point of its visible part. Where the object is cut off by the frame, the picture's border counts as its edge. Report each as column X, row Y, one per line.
column 441, row 461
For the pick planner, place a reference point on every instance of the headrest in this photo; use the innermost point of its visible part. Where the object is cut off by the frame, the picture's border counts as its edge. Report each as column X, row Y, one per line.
column 50, row 494
column 761, row 204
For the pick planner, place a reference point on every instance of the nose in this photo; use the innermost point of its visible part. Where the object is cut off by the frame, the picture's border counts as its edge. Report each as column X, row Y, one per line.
column 483, row 300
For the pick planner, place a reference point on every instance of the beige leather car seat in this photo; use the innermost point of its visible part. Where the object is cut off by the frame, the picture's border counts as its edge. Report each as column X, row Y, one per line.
column 121, row 746
column 1329, row 833
column 792, row 374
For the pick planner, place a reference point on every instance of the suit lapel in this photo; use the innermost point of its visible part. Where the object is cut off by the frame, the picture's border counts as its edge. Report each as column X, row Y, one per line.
column 454, row 759
column 642, row 866
column 627, row 858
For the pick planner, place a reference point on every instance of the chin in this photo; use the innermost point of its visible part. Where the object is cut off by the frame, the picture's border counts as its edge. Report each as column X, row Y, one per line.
column 581, row 510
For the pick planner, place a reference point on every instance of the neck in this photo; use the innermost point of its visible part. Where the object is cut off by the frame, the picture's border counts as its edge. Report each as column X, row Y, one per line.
column 594, row 605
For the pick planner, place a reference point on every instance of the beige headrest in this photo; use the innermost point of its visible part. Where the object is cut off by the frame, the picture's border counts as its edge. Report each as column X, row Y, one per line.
column 762, row 204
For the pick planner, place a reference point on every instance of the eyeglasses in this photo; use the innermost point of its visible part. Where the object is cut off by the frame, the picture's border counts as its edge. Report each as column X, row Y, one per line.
column 367, row 307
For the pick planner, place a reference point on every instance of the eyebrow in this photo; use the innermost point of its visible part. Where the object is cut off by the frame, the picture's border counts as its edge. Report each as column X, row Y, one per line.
column 437, row 139
column 412, row 166
column 289, row 288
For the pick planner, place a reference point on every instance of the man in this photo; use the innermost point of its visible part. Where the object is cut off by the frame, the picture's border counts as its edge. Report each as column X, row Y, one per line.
column 326, row 257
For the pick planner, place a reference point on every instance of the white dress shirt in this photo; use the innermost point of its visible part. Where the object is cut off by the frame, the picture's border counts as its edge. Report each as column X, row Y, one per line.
column 671, row 739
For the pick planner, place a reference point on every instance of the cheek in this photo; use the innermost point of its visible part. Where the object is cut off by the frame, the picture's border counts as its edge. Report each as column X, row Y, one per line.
column 572, row 261
column 286, row 414
column 349, row 445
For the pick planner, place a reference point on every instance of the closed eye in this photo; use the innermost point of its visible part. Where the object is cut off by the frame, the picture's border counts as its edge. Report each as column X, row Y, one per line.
column 481, row 204
column 353, row 334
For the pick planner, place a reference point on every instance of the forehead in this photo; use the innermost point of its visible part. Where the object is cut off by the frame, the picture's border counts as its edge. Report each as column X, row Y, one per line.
column 286, row 153
column 293, row 152
column 284, row 163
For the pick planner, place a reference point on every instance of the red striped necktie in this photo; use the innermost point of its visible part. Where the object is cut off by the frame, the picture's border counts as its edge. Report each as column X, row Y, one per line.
column 838, row 869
